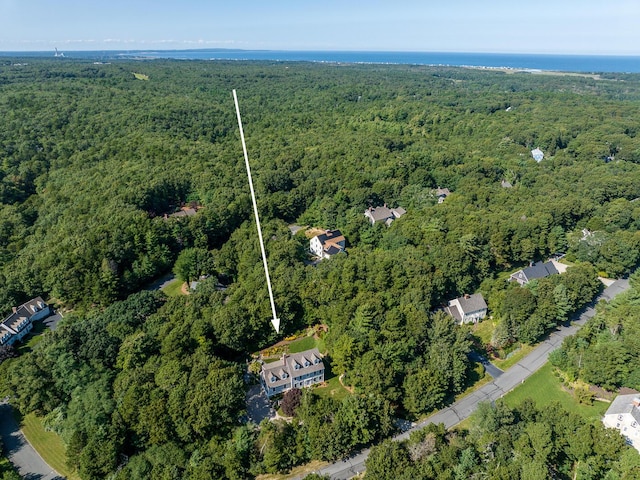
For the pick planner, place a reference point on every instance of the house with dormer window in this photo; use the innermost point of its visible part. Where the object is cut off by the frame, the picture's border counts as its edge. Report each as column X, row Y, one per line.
column 624, row 415
column 294, row 370
column 20, row 322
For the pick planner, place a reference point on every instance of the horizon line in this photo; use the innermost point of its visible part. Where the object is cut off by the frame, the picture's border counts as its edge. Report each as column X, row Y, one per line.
column 462, row 52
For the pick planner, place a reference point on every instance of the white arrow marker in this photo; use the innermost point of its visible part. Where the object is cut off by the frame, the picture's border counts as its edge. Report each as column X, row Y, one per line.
column 275, row 321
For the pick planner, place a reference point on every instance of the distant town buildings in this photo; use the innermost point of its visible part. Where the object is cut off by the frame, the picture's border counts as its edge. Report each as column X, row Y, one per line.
column 294, row 370
column 624, row 415
column 20, row 322
column 468, row 308
column 328, row 244
column 383, row 214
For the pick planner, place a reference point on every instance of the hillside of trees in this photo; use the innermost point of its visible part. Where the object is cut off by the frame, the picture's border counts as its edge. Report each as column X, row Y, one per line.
column 605, row 351
column 94, row 160
column 505, row 443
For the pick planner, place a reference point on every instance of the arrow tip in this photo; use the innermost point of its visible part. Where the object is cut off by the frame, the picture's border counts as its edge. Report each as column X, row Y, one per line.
column 276, row 324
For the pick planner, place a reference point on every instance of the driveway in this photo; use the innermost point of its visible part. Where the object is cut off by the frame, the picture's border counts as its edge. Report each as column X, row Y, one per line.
column 489, row 367
column 161, row 282
column 52, row 320
column 258, row 405
column 20, row 453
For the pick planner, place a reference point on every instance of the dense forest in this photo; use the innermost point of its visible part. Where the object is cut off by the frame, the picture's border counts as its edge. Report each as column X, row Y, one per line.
column 605, row 351
column 94, row 160
column 505, row 443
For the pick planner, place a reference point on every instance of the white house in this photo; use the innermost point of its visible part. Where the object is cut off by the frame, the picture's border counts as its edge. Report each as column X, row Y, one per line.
column 383, row 214
column 468, row 308
column 537, row 154
column 328, row 244
column 20, row 322
column 296, row 370
column 624, row 415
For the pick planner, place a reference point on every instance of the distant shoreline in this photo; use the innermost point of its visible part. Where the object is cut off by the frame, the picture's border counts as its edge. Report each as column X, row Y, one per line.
column 532, row 63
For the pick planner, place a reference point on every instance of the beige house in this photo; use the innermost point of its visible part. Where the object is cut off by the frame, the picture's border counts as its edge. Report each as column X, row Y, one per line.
column 383, row 214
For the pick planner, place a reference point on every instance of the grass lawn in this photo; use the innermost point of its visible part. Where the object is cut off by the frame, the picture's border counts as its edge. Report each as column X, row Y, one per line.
column 484, row 330
column 543, row 387
column 515, row 357
column 306, row 343
column 48, row 444
column 173, row 289
column 334, row 388
column 141, row 76
column 32, row 338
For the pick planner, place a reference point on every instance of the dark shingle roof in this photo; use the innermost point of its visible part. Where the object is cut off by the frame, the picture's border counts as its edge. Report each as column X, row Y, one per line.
column 539, row 270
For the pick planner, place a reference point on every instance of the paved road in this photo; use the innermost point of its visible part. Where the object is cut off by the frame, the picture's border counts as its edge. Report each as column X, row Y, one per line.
column 27, row 461
column 18, row 450
column 501, row 385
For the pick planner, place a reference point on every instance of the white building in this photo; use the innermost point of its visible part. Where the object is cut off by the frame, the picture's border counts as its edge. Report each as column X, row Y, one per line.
column 296, row 370
column 20, row 322
column 537, row 154
column 328, row 244
column 468, row 308
column 624, row 415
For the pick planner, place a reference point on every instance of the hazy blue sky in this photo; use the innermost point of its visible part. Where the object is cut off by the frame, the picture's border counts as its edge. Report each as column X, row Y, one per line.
column 520, row 26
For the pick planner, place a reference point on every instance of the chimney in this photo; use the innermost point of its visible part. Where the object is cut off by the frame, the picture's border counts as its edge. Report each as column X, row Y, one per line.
column 636, row 402
column 15, row 309
column 385, row 205
column 467, row 296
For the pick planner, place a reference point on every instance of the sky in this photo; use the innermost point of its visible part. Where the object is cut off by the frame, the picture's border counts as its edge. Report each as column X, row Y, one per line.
column 591, row 27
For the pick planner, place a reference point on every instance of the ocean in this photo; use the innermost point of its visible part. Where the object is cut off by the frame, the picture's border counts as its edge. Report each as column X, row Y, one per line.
column 565, row 63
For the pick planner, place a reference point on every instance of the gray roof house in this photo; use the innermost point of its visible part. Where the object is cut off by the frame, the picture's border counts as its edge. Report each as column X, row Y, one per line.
column 536, row 270
column 20, row 322
column 294, row 370
column 468, row 308
column 624, row 415
column 442, row 193
column 383, row 214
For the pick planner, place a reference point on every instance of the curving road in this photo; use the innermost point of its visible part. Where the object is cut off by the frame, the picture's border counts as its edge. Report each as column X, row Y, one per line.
column 19, row 451
column 502, row 384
